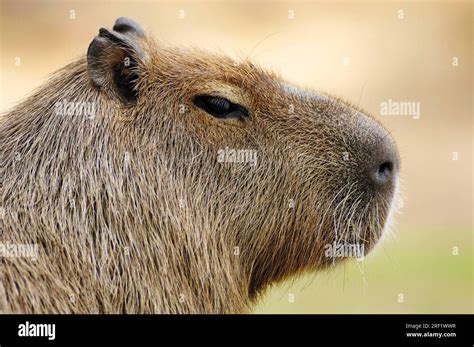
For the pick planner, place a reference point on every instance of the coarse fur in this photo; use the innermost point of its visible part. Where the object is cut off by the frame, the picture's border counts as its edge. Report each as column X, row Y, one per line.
column 133, row 213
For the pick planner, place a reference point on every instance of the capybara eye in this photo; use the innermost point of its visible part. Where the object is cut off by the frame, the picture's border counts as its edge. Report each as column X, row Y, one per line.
column 220, row 107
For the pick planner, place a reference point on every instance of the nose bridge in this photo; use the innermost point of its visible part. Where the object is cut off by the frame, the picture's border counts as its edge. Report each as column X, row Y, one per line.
column 377, row 138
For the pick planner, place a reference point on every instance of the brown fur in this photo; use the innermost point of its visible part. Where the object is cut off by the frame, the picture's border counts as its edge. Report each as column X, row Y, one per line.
column 133, row 213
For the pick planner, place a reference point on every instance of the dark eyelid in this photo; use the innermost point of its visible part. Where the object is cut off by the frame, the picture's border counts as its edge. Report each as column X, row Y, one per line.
column 208, row 102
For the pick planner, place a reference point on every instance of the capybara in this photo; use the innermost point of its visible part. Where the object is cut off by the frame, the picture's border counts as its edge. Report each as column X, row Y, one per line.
column 145, row 178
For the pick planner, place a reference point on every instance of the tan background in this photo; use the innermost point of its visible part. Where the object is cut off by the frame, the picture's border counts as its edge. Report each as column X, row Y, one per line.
column 407, row 59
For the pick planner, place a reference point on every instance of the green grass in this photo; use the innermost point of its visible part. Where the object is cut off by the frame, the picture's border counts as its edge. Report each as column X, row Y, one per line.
column 420, row 265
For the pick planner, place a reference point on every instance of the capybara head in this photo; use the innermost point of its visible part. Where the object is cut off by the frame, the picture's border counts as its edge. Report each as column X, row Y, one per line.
column 207, row 161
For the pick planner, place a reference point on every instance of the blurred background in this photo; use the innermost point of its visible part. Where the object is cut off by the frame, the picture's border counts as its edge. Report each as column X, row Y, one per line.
column 365, row 52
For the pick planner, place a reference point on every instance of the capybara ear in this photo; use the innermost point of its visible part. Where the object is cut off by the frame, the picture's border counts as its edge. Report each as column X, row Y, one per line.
column 127, row 26
column 113, row 59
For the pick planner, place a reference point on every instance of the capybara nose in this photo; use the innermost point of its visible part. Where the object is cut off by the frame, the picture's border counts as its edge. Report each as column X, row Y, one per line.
column 383, row 169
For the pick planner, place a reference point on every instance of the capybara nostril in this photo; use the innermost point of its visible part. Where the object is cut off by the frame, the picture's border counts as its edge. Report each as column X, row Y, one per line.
column 384, row 172
column 374, row 156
